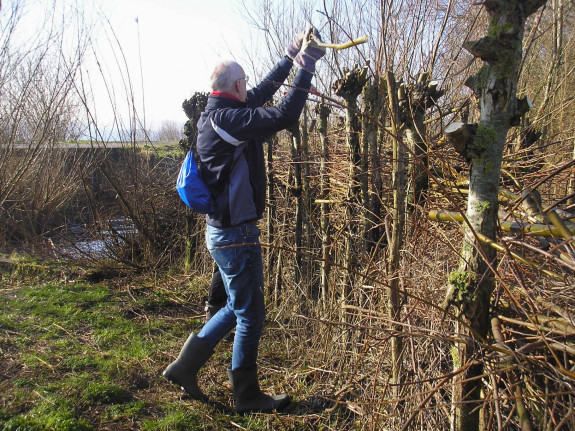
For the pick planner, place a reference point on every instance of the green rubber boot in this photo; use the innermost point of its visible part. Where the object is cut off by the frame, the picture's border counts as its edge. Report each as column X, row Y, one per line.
column 184, row 370
column 248, row 395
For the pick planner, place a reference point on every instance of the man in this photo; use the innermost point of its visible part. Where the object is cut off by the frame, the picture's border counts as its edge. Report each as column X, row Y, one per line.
column 232, row 130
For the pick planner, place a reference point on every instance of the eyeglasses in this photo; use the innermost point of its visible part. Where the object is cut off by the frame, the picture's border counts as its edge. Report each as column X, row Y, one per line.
column 247, row 78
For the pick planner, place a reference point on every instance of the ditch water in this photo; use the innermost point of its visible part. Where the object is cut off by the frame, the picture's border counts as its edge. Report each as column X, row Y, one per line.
column 90, row 241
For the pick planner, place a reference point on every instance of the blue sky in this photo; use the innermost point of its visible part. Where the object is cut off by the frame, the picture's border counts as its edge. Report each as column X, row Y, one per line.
column 152, row 54
column 179, row 43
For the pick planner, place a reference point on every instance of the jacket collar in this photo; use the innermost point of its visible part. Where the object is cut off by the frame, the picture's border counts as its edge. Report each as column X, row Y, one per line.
column 224, row 100
column 223, row 94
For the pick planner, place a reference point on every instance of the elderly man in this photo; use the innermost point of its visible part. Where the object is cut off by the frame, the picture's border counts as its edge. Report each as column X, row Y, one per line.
column 230, row 147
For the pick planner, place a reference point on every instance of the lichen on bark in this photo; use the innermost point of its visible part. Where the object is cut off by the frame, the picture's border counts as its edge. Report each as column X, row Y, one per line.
column 485, row 136
column 463, row 286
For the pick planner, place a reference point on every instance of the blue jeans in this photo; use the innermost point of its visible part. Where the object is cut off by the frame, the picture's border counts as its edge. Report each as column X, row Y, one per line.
column 237, row 252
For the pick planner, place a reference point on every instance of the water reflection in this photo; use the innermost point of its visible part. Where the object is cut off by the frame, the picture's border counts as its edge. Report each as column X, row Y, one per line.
column 95, row 241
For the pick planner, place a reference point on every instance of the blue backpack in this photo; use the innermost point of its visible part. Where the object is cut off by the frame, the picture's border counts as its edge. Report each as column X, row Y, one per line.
column 192, row 189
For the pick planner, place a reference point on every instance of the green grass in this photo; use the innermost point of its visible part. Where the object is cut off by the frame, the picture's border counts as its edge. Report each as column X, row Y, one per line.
column 164, row 149
column 81, row 356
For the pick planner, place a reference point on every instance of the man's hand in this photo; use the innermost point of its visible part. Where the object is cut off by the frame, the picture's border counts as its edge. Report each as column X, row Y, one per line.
column 294, row 47
column 310, row 51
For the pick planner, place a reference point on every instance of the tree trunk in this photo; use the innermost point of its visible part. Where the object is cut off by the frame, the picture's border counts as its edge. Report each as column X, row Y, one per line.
column 371, row 184
column 323, row 112
column 472, row 284
column 271, row 217
column 571, row 186
column 193, row 107
column 349, row 87
column 414, row 100
column 399, row 183
column 297, row 191
column 306, row 207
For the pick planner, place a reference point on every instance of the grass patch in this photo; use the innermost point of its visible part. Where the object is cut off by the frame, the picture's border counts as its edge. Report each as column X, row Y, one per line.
column 87, row 356
column 106, row 393
column 177, row 420
column 163, row 149
column 54, row 422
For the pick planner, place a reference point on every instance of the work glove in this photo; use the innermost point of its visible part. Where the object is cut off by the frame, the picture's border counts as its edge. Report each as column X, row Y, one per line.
column 310, row 51
column 293, row 48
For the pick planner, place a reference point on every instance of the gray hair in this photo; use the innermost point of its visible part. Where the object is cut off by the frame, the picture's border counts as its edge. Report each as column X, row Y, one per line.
column 224, row 76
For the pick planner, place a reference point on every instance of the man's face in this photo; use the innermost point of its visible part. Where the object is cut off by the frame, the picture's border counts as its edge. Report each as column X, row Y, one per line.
column 241, row 86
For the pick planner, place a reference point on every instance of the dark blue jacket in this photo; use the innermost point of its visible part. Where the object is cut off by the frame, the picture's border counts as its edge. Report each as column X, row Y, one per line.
column 230, row 144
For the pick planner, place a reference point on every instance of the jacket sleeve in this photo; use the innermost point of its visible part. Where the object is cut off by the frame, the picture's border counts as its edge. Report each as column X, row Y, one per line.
column 265, row 90
column 245, row 124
